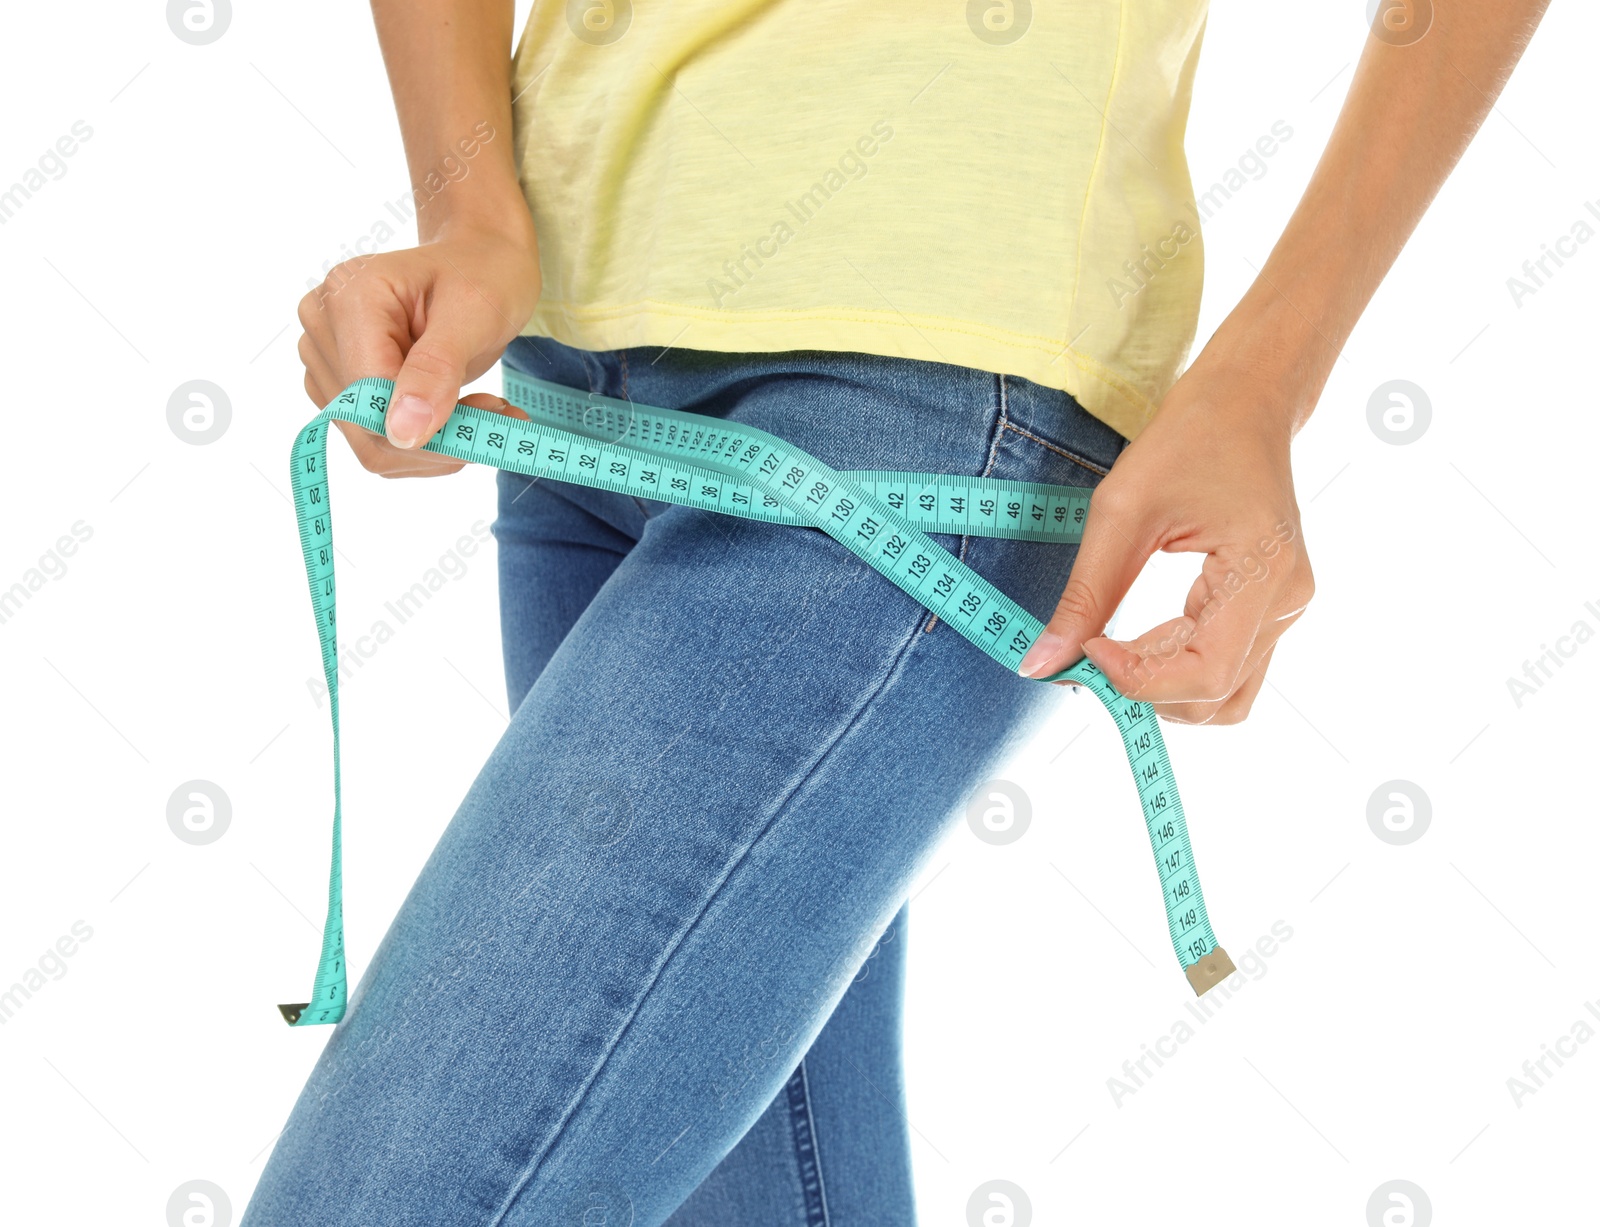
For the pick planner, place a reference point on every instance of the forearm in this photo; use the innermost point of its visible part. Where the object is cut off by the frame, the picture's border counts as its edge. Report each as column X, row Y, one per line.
column 1410, row 113
column 449, row 66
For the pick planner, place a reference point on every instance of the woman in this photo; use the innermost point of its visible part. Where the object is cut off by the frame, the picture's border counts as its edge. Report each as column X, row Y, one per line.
column 651, row 972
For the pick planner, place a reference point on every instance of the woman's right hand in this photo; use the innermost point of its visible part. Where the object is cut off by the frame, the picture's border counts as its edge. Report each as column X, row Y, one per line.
column 431, row 318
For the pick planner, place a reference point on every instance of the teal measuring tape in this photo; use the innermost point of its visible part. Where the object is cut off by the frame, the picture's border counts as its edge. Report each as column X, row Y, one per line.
column 882, row 517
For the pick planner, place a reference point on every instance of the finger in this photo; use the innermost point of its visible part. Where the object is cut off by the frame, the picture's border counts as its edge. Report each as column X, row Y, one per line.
column 427, row 460
column 1129, row 664
column 377, row 455
column 1238, row 707
column 421, row 462
column 313, row 389
column 1292, row 602
column 1199, row 591
column 318, row 327
column 1195, row 659
column 431, row 376
column 321, row 381
column 1231, row 710
column 495, row 404
column 365, row 334
column 1114, row 549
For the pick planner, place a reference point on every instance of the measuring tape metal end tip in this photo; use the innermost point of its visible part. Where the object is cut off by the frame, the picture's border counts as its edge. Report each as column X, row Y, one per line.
column 1210, row 971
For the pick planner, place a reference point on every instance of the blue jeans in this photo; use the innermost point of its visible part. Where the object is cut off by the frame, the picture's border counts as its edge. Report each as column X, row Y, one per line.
column 651, row 973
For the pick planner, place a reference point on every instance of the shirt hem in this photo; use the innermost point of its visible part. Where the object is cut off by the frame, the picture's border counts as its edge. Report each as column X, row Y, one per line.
column 1102, row 392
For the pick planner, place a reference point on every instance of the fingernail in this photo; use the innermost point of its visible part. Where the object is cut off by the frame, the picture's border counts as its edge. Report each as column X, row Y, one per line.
column 407, row 420
column 1039, row 657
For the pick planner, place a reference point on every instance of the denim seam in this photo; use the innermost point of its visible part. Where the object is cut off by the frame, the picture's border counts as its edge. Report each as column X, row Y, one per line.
column 1059, row 450
column 856, row 717
column 1001, row 423
column 622, row 356
column 803, row 1131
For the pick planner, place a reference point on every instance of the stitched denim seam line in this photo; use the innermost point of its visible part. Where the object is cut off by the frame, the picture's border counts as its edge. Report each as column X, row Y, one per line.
column 889, row 675
column 999, row 428
column 622, row 360
column 804, row 1134
column 1059, row 450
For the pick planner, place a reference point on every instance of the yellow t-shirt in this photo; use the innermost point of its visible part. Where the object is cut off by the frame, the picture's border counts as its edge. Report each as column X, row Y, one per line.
column 992, row 183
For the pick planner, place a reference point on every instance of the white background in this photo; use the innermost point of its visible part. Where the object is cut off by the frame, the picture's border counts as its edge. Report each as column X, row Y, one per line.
column 1378, row 1040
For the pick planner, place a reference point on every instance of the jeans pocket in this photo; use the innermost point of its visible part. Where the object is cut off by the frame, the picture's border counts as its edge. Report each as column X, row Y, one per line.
column 1042, row 436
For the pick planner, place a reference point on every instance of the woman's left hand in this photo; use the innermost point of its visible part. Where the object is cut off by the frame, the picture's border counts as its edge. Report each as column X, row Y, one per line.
column 1209, row 475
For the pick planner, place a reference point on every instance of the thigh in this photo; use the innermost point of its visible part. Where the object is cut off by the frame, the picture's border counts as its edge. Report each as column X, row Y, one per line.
column 834, row 1146
column 701, row 819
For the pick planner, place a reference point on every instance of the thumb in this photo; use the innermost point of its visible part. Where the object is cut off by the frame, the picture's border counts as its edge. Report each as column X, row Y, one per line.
column 1108, row 562
column 429, row 382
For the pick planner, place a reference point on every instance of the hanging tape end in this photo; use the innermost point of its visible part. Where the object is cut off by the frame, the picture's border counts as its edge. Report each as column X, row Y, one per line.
column 1214, row 967
column 291, row 1013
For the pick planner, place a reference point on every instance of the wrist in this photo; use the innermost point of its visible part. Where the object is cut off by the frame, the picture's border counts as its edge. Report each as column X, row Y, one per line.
column 501, row 215
column 1277, row 351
